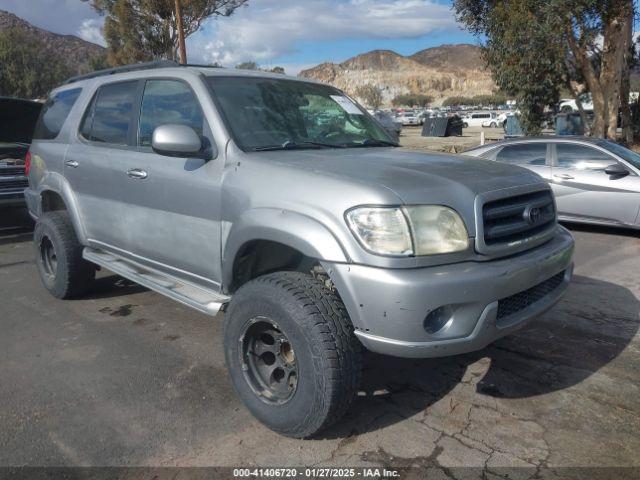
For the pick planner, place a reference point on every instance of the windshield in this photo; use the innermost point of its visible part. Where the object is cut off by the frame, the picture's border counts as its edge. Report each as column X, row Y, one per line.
column 273, row 114
column 630, row 156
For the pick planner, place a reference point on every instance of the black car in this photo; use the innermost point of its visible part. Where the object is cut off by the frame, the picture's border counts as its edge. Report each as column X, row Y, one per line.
column 17, row 121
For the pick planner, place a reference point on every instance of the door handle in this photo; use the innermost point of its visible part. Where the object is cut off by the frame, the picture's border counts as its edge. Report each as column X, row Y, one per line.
column 563, row 176
column 71, row 163
column 137, row 173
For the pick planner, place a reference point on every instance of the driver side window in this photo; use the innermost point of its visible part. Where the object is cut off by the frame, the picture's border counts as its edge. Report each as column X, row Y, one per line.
column 579, row 157
column 168, row 102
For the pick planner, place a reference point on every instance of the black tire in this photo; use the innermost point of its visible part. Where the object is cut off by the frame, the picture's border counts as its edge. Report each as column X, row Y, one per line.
column 327, row 354
column 493, row 125
column 465, row 125
column 62, row 269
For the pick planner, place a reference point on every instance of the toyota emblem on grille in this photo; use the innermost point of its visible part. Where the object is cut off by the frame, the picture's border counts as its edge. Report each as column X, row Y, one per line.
column 532, row 215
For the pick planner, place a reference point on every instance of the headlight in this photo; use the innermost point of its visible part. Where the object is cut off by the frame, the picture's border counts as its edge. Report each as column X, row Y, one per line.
column 381, row 230
column 436, row 229
column 405, row 231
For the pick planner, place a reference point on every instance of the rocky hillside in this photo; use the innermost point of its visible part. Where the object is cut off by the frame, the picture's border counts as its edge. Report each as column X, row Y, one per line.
column 444, row 71
column 76, row 52
column 464, row 56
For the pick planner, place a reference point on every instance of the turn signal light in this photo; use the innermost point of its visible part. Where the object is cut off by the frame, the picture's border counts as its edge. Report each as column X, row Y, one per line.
column 27, row 163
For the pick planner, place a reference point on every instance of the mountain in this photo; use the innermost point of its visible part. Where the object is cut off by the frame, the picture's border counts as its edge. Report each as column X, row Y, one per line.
column 76, row 52
column 444, row 71
column 464, row 56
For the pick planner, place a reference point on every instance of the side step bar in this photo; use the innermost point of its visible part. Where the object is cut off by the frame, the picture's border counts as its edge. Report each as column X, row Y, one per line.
column 202, row 299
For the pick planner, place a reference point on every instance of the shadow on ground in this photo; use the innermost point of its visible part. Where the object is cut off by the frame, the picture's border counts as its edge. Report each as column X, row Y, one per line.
column 112, row 286
column 590, row 327
column 16, row 226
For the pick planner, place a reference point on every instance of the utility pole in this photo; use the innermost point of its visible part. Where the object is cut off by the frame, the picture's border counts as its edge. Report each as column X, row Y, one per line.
column 181, row 43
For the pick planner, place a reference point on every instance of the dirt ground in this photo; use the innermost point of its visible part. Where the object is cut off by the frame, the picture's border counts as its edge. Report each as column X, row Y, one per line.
column 411, row 138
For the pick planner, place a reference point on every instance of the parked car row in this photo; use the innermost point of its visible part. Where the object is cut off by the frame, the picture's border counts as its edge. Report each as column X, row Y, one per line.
column 485, row 119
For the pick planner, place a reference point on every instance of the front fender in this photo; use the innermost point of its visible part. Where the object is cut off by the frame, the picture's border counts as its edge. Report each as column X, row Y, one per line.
column 298, row 231
column 56, row 183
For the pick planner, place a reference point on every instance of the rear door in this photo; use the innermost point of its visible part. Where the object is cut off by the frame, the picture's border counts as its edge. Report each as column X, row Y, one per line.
column 585, row 192
column 532, row 155
column 105, row 135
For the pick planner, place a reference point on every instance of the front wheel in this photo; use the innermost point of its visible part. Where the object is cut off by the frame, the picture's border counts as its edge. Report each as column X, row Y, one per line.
column 291, row 353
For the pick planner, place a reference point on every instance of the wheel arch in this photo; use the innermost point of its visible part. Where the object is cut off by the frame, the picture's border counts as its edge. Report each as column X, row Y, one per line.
column 55, row 194
column 281, row 233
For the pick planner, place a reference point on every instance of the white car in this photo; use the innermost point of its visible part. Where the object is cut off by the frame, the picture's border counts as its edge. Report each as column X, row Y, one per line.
column 477, row 119
column 569, row 104
column 495, row 120
column 409, row 117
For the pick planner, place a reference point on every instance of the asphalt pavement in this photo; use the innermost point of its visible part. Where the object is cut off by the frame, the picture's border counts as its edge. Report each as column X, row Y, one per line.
column 127, row 377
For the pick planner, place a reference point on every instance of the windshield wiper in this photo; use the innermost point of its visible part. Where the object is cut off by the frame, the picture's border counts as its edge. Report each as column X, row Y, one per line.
column 374, row 142
column 290, row 145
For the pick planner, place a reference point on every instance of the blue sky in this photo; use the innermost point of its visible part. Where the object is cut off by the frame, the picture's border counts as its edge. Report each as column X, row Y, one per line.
column 295, row 34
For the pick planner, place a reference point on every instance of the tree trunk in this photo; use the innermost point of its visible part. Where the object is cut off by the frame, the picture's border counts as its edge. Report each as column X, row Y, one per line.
column 583, row 62
column 181, row 41
column 625, row 87
column 610, row 76
column 583, row 114
column 614, row 53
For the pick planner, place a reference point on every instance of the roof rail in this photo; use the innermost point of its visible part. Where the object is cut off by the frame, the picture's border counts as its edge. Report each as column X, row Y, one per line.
column 199, row 65
column 125, row 68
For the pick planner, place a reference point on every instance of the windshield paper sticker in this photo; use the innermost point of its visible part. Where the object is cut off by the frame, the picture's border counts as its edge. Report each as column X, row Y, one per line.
column 346, row 104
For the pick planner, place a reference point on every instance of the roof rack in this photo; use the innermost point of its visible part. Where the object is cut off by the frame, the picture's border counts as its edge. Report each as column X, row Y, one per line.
column 126, row 68
column 198, row 65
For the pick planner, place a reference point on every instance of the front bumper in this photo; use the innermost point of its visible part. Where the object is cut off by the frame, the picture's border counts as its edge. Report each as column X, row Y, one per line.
column 388, row 307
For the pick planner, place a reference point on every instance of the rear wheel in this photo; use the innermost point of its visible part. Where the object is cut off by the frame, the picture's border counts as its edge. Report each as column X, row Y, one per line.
column 493, row 125
column 291, row 353
column 58, row 252
column 465, row 125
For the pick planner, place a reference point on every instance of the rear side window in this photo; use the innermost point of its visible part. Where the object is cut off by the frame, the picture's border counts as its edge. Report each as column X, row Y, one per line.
column 165, row 102
column 110, row 114
column 525, row 154
column 55, row 113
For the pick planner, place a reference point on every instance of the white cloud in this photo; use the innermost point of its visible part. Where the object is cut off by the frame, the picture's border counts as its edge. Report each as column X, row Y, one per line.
column 267, row 29
column 58, row 16
column 91, row 31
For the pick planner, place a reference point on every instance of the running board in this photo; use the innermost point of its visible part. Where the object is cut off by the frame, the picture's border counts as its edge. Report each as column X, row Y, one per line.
column 202, row 299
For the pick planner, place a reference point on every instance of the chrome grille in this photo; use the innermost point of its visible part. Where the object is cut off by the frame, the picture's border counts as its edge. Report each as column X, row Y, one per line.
column 11, row 171
column 514, row 303
column 14, row 183
column 517, row 218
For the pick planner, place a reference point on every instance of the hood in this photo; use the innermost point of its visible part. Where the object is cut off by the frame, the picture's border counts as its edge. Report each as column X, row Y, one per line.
column 18, row 119
column 415, row 177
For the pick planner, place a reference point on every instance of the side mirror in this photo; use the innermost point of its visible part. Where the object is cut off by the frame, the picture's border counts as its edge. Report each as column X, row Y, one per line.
column 177, row 141
column 616, row 170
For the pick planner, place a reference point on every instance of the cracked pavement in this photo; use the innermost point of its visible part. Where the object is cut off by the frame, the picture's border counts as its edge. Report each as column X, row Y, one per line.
column 128, row 377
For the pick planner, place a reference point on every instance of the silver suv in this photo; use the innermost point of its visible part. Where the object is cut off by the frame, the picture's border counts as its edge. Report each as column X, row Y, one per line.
column 284, row 204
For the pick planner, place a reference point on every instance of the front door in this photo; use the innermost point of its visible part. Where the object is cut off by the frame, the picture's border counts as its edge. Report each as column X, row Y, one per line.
column 174, row 221
column 584, row 191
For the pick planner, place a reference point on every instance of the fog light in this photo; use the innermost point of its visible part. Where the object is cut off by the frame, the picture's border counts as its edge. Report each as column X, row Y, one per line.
column 438, row 319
